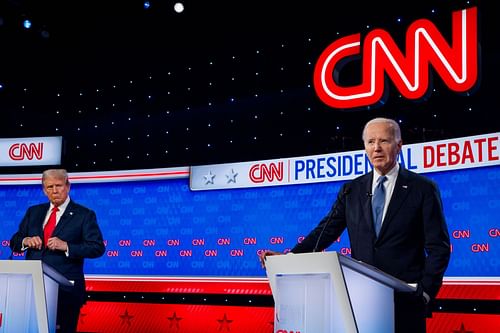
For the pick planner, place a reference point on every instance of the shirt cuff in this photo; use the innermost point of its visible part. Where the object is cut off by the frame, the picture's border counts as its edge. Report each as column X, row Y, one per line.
column 24, row 247
column 427, row 298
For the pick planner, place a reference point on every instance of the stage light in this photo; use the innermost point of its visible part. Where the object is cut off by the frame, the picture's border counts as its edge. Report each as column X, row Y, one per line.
column 27, row 24
column 179, row 7
column 147, row 4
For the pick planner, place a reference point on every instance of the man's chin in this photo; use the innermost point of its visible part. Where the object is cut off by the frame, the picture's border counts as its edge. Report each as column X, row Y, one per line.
column 380, row 167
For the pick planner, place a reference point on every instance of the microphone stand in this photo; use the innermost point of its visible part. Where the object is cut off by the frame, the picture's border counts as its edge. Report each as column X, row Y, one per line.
column 332, row 212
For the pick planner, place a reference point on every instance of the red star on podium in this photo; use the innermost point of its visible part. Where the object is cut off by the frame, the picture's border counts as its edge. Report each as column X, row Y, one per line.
column 224, row 322
column 462, row 330
column 126, row 318
column 174, row 320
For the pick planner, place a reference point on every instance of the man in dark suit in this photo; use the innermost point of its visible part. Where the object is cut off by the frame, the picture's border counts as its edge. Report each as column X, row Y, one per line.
column 76, row 236
column 411, row 240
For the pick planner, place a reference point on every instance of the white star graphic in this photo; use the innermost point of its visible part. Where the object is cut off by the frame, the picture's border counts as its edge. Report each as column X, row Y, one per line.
column 232, row 177
column 209, row 179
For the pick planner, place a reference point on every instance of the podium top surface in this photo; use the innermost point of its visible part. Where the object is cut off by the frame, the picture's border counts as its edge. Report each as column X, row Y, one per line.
column 56, row 276
column 32, row 267
column 376, row 274
column 320, row 262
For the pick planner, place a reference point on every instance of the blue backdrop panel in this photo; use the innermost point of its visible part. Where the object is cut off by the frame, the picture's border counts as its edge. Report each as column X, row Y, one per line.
column 161, row 227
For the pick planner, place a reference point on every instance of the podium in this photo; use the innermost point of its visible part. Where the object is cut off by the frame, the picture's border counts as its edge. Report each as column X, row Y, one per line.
column 28, row 296
column 329, row 292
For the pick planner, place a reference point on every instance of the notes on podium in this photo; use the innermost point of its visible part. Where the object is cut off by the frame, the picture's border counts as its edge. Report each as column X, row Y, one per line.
column 329, row 292
column 28, row 296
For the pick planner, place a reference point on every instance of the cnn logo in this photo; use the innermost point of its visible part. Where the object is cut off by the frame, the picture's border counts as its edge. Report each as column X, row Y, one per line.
column 455, row 63
column 26, row 151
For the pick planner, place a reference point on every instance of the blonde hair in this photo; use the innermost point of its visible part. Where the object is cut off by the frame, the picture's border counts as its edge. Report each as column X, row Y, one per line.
column 55, row 173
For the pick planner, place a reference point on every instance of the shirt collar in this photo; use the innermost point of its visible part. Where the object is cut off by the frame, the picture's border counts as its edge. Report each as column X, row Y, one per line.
column 62, row 207
column 391, row 175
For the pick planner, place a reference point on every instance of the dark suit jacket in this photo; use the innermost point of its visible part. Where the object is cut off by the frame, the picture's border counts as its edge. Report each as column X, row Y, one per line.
column 78, row 227
column 413, row 244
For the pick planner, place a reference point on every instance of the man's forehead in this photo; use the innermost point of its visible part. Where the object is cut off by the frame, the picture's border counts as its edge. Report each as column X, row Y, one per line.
column 378, row 134
column 53, row 180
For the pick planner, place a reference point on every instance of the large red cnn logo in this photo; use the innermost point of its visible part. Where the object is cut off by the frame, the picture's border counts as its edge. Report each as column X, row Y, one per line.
column 261, row 172
column 25, row 151
column 457, row 64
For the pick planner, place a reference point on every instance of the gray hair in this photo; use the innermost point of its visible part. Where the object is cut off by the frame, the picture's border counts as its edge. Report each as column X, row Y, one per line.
column 55, row 173
column 393, row 125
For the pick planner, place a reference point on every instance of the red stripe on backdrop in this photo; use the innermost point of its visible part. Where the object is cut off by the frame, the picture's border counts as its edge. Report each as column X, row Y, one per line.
column 107, row 317
column 182, row 285
column 470, row 291
column 259, row 286
column 463, row 323
column 144, row 317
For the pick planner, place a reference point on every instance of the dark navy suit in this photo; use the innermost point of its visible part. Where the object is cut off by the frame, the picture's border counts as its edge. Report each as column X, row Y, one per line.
column 413, row 244
column 78, row 227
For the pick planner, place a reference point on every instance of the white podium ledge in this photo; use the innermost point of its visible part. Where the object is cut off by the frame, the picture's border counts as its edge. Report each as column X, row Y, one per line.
column 376, row 274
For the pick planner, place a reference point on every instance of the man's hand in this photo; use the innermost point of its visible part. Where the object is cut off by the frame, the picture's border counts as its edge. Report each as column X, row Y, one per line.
column 264, row 254
column 54, row 243
column 34, row 242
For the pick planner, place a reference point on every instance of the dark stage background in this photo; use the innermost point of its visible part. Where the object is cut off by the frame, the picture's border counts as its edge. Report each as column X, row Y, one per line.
column 223, row 81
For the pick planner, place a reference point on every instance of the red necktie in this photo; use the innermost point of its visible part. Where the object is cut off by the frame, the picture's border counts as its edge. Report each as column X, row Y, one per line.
column 50, row 226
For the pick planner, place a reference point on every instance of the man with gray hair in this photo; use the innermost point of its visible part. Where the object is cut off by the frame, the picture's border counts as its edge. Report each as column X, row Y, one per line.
column 395, row 221
column 62, row 234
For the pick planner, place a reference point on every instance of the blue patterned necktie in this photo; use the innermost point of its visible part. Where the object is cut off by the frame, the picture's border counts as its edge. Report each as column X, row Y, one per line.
column 378, row 202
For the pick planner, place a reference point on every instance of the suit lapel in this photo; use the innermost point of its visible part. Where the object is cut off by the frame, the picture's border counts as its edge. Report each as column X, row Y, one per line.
column 365, row 198
column 399, row 195
column 42, row 213
column 65, row 218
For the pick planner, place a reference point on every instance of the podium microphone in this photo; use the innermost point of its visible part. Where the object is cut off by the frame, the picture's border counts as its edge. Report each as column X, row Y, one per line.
column 332, row 212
